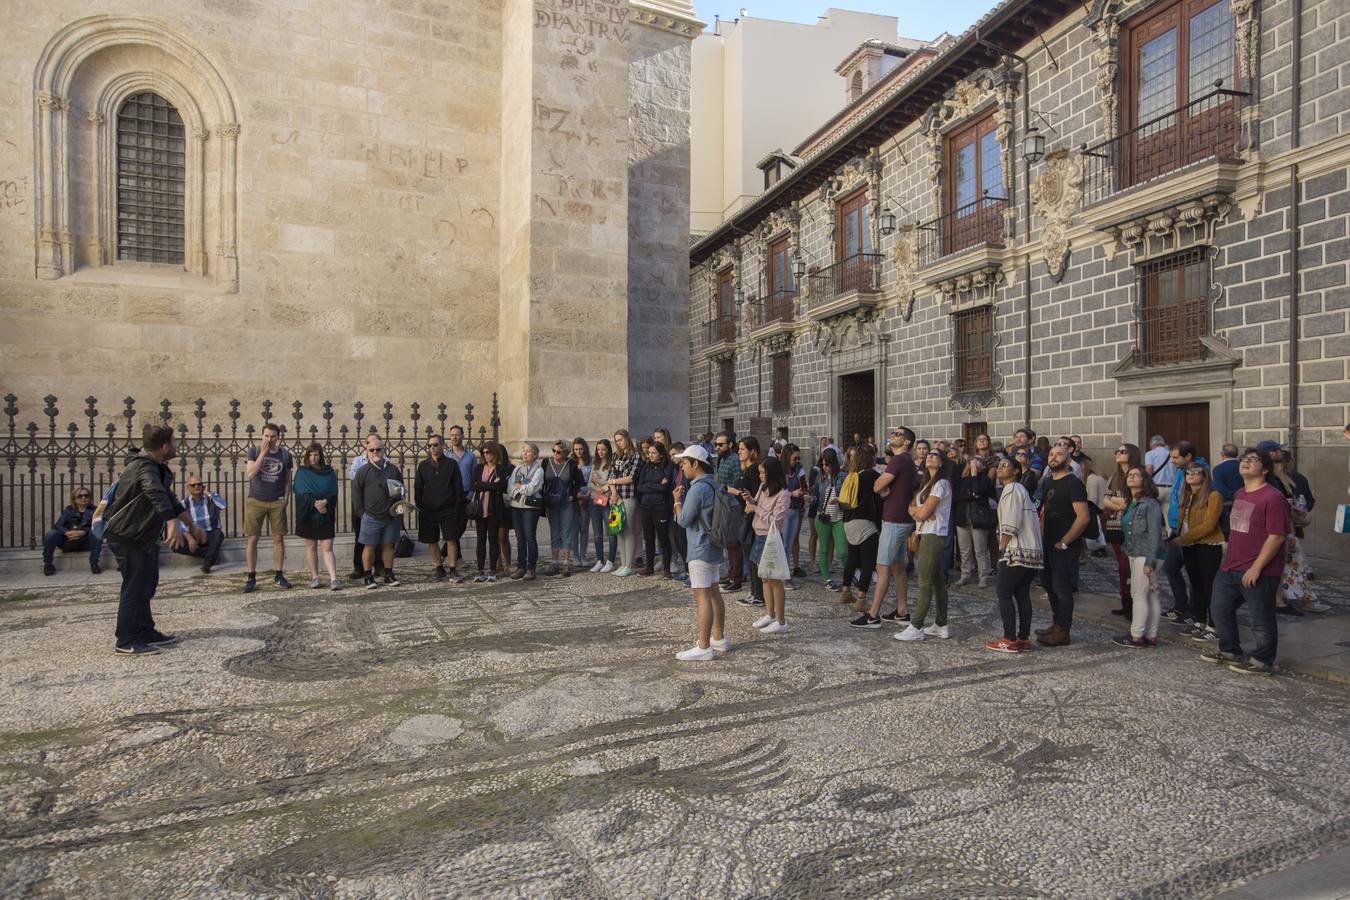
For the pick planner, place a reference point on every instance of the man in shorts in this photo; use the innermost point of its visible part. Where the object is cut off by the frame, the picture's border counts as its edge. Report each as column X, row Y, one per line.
column 897, row 486
column 378, row 486
column 694, row 505
column 439, row 491
column 269, row 482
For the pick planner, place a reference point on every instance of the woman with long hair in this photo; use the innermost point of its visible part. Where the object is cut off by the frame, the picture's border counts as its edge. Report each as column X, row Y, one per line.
column 931, row 509
column 1142, row 524
column 748, row 452
column 488, row 509
column 655, row 489
column 862, row 524
column 621, row 480
column 1199, row 512
column 581, row 514
column 1021, row 557
column 1028, row 479
column 829, row 520
column 506, row 527
column 524, row 490
column 770, row 505
column 601, row 468
column 1114, row 502
column 1294, row 596
column 316, row 496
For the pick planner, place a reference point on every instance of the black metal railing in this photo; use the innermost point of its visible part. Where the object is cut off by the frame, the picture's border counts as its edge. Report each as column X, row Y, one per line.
column 780, row 306
column 721, row 329
column 973, row 224
column 860, row 273
column 42, row 464
column 1171, row 334
column 1206, row 128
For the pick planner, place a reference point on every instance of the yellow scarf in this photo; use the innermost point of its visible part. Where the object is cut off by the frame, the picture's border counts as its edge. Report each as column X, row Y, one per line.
column 848, row 492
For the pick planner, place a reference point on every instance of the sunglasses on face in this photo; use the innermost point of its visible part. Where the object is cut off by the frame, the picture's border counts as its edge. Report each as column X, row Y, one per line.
column 191, row 487
column 81, row 496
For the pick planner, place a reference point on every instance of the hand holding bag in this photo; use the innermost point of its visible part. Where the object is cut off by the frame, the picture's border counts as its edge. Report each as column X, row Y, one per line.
column 773, row 562
column 617, row 519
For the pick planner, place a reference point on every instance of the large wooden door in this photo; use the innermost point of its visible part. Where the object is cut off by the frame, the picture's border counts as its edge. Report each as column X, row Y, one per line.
column 1181, row 422
column 857, row 394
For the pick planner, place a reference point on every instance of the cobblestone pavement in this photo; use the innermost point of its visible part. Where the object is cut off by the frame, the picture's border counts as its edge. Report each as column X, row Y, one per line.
column 499, row 741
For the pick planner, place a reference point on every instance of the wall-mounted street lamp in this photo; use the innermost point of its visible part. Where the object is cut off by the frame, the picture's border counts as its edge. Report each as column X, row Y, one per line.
column 886, row 221
column 1033, row 145
column 798, row 267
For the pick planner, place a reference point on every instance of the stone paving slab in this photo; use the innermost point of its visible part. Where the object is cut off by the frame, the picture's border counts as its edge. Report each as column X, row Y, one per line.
column 541, row 740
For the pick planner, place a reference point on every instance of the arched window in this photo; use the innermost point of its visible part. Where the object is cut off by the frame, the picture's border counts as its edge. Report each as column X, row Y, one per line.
column 856, row 86
column 151, row 157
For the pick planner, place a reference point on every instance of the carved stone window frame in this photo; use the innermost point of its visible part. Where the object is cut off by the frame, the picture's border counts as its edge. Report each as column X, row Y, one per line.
column 207, row 107
column 980, row 93
column 966, row 293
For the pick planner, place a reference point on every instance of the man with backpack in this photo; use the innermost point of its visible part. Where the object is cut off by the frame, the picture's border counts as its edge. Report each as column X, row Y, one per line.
column 704, row 511
column 134, row 519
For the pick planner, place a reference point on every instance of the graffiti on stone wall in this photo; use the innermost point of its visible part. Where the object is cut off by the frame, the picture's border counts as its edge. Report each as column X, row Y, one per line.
column 415, row 160
column 594, row 19
column 14, row 196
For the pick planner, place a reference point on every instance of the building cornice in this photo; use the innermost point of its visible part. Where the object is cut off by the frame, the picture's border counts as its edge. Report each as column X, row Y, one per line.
column 677, row 16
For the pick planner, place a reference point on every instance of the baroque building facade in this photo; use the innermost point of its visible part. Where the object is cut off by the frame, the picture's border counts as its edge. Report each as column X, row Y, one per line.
column 1114, row 219
column 402, row 200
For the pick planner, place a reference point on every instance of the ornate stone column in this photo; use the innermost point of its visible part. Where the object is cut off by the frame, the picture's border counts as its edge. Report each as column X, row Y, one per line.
column 51, row 264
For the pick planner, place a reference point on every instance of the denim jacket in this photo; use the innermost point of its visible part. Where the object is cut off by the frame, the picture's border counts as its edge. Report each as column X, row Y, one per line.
column 1144, row 529
column 696, row 512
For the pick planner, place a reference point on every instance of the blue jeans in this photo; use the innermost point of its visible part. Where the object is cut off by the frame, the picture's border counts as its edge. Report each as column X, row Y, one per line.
column 1172, row 568
column 56, row 540
column 1229, row 594
column 598, row 516
column 794, row 521
column 210, row 551
column 140, row 580
column 560, row 526
column 1059, row 578
column 526, row 523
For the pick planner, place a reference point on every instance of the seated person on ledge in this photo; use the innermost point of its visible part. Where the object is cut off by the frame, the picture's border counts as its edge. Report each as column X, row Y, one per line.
column 204, row 507
column 71, row 533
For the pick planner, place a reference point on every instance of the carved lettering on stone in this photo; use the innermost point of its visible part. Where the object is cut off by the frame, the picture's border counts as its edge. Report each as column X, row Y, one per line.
column 1056, row 195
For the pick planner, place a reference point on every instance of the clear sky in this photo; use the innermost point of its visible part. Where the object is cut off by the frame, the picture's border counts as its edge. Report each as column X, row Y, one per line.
column 923, row 19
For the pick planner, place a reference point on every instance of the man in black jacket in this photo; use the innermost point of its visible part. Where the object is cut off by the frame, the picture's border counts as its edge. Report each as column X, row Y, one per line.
column 439, row 492
column 143, row 504
column 373, row 498
column 71, row 533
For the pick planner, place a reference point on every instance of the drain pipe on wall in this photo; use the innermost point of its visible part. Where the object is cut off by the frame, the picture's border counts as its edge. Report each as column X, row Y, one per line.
column 1297, row 98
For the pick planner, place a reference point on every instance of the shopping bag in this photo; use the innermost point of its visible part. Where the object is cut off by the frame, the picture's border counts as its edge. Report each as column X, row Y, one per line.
column 773, row 562
column 1343, row 519
column 617, row 519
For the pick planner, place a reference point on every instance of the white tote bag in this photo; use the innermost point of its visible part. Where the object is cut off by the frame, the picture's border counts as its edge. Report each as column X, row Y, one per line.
column 773, row 562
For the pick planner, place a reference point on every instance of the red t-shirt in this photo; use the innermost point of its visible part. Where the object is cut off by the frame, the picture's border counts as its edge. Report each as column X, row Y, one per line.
column 1256, row 516
column 895, row 507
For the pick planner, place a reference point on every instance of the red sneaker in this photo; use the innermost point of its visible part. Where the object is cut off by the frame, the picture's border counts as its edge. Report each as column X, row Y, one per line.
column 1024, row 646
column 1002, row 645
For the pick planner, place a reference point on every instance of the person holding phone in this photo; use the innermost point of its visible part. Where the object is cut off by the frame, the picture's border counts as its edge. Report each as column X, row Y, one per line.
column 269, row 474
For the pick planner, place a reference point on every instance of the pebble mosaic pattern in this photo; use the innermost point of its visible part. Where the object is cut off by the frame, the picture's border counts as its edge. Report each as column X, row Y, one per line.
column 484, row 740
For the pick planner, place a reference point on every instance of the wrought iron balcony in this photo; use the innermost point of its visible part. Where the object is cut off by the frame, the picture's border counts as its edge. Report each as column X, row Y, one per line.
column 1204, row 129
column 855, row 275
column 721, row 329
column 975, row 224
column 780, row 306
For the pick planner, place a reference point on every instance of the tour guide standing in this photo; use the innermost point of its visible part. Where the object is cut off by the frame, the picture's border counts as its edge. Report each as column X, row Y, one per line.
column 268, row 473
column 439, row 490
column 1251, row 569
column 694, row 513
column 377, row 486
column 143, row 504
column 1065, row 515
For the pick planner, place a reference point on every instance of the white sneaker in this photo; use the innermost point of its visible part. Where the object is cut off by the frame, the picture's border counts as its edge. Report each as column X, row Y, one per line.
column 1317, row 606
column 607, row 568
column 910, row 634
column 315, row 583
column 762, row 621
column 696, row 654
column 597, row 567
column 937, row 631
column 790, row 585
column 774, row 627
column 721, row 645
column 623, row 572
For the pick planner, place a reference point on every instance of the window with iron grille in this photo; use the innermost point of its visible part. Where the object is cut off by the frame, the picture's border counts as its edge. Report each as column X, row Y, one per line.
column 726, row 378
column 1176, row 291
column 975, row 349
column 782, row 381
column 150, row 180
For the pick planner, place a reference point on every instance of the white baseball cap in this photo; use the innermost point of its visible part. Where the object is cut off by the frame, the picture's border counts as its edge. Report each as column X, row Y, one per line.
column 693, row 451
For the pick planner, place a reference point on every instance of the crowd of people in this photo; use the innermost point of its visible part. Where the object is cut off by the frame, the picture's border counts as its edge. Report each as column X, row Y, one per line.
column 725, row 514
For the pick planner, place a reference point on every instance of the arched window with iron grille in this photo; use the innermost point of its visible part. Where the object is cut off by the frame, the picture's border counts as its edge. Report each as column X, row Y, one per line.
column 150, row 180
